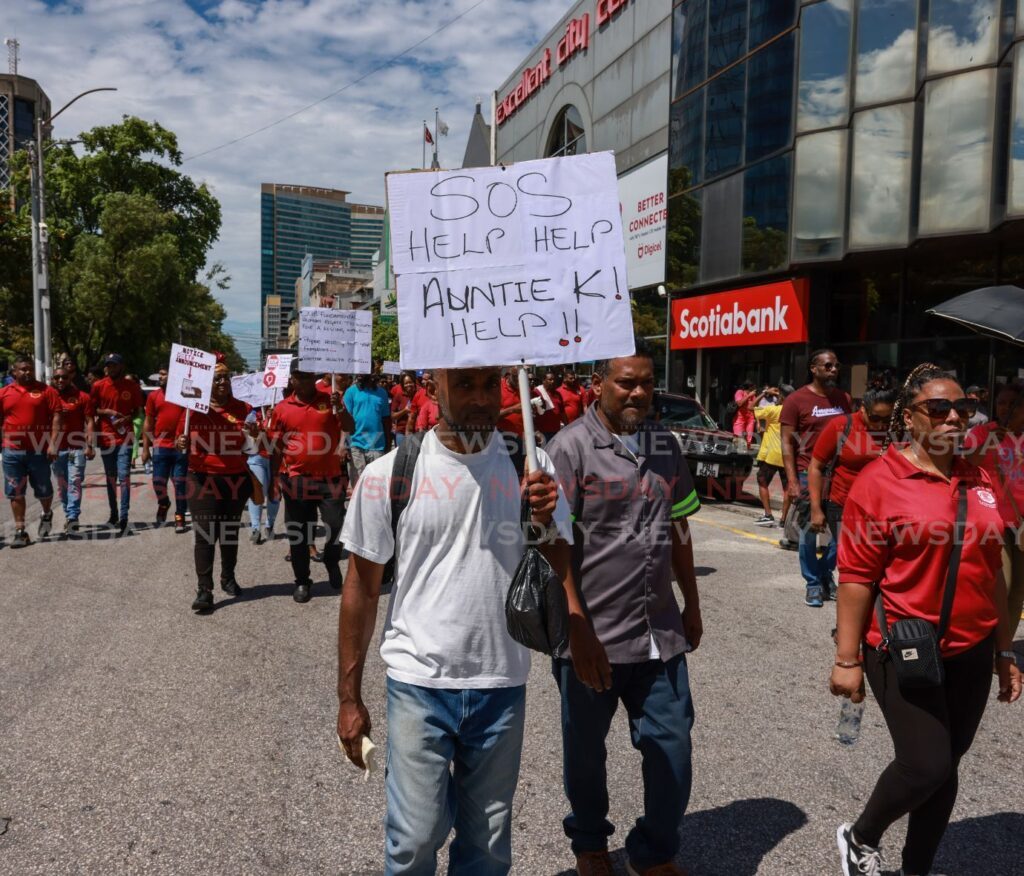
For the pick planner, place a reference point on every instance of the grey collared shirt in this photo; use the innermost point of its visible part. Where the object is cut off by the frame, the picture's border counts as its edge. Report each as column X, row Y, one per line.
column 624, row 506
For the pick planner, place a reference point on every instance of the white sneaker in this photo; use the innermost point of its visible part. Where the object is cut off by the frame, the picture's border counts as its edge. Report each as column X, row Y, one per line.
column 764, row 520
column 857, row 860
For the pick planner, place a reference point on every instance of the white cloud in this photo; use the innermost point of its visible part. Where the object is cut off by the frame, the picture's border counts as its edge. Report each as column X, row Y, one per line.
column 237, row 65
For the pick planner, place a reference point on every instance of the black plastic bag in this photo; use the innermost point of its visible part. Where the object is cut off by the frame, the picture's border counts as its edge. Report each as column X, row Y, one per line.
column 536, row 611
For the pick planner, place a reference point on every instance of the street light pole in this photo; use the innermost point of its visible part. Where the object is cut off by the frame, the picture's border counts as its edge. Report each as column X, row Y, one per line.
column 41, row 248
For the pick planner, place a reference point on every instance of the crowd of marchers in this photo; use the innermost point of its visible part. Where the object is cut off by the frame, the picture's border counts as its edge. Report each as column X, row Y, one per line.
column 923, row 511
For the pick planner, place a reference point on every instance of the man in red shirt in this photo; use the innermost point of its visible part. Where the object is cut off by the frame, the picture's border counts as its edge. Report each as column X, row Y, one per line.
column 804, row 414
column 306, row 436
column 31, row 420
column 117, row 401
column 159, row 432
column 510, row 420
column 75, row 445
column 549, row 419
column 418, row 400
column 574, row 396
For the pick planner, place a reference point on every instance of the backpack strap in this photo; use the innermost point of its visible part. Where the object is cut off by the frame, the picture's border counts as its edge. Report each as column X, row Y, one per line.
column 830, row 471
column 400, row 489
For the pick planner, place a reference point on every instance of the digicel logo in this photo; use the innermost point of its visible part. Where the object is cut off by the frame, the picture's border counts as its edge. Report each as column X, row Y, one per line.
column 775, row 313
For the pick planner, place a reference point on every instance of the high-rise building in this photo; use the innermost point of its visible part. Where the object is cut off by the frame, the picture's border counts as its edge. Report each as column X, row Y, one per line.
column 296, row 221
column 22, row 101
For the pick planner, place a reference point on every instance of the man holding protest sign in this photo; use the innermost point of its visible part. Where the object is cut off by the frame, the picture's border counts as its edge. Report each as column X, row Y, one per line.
column 117, row 401
column 159, row 433
column 631, row 492
column 306, row 434
column 456, row 679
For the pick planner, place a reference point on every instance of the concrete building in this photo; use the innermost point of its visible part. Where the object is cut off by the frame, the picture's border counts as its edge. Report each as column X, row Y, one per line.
column 275, row 325
column 296, row 220
column 22, row 101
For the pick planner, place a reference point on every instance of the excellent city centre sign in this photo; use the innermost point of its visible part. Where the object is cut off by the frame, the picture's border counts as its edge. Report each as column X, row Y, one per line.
column 775, row 313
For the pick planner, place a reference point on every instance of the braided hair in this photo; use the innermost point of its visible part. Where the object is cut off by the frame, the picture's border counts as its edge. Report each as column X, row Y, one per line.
column 922, row 375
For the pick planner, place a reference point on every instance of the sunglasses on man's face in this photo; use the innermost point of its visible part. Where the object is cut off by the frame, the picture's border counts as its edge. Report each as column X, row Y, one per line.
column 939, row 408
column 874, row 418
column 829, row 366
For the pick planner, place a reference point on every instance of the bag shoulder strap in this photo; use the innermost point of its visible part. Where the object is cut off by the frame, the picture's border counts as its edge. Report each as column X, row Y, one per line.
column 841, row 442
column 952, row 572
column 400, row 486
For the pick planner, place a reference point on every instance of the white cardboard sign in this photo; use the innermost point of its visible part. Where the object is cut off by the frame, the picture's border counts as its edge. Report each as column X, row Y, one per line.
column 190, row 378
column 277, row 372
column 249, row 388
column 505, row 264
column 335, row 341
column 390, row 367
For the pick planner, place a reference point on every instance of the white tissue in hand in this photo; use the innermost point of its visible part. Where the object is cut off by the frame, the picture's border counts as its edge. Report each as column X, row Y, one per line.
column 369, row 753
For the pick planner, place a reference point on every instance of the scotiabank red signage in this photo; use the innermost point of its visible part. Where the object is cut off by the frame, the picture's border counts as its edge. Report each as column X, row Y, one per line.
column 576, row 39
column 775, row 313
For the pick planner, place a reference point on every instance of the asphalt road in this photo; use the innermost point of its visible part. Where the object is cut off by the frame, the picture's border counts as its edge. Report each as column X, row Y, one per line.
column 137, row 738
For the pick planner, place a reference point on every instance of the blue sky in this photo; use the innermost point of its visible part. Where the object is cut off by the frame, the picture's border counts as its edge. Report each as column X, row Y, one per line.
column 212, row 70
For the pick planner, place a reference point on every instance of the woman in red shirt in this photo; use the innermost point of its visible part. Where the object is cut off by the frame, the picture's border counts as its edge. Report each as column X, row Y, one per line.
column 429, row 412
column 898, row 527
column 859, row 439
column 401, row 406
column 219, row 484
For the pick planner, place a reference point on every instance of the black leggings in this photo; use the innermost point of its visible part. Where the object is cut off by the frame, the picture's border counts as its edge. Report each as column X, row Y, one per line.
column 216, row 503
column 303, row 498
column 931, row 730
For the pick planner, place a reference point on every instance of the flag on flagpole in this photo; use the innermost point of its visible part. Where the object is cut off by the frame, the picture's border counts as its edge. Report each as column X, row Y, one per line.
column 427, row 135
column 442, row 127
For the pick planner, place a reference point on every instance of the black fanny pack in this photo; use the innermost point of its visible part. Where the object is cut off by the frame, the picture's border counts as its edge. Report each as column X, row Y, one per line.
column 913, row 644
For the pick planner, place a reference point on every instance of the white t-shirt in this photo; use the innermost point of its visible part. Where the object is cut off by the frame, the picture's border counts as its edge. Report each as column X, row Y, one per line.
column 459, row 542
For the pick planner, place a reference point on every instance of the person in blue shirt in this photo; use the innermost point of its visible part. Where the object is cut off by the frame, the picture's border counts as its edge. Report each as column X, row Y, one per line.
column 370, row 408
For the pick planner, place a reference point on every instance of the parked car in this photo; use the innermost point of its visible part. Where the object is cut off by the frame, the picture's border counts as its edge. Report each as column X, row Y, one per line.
column 719, row 461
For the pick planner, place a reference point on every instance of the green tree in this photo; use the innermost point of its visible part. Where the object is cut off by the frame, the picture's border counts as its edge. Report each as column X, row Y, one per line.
column 129, row 238
column 15, row 282
column 385, row 340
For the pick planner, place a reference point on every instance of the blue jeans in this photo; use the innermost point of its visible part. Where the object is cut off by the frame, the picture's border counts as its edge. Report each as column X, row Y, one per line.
column 656, row 696
column 817, row 572
column 453, row 760
column 117, row 467
column 170, row 464
column 69, row 470
column 260, row 466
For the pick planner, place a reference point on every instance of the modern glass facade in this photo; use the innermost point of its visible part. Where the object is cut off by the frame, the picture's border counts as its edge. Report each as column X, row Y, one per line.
column 298, row 220
column 875, row 147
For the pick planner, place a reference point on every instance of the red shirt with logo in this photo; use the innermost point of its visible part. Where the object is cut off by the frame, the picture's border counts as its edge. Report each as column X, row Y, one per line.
column 121, row 395
column 1004, row 462
column 309, row 435
column 28, row 415
column 897, row 531
column 807, row 413
column 165, row 416
column 574, row 401
column 860, row 448
column 217, row 439
column 549, row 421
column 77, row 406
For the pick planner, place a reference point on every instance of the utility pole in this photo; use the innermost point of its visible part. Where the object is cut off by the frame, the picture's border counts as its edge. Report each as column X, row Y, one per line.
column 41, row 362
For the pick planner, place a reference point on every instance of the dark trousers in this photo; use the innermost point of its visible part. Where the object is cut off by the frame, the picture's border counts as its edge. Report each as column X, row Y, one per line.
column 216, row 502
column 170, row 464
column 931, row 730
column 117, row 471
column 656, row 696
column 303, row 499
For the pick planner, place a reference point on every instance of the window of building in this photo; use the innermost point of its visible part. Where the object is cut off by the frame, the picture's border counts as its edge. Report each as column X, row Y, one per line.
column 886, row 51
column 880, row 188
column 721, row 229
column 24, row 122
column 819, row 196
column 727, row 33
column 824, row 65
column 690, row 31
column 962, row 34
column 723, row 142
column 956, row 153
column 766, row 215
column 769, row 18
column 683, row 239
column 567, row 135
column 1016, row 182
column 686, row 139
column 770, row 99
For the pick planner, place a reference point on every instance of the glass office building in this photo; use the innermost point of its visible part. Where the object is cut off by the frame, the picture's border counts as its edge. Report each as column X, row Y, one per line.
column 874, row 148
column 300, row 220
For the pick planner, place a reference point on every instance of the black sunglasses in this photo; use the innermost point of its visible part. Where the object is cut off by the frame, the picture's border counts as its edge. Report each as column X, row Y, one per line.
column 939, row 408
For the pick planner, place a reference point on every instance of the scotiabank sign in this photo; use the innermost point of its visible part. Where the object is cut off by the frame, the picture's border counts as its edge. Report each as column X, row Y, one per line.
column 575, row 39
column 775, row 313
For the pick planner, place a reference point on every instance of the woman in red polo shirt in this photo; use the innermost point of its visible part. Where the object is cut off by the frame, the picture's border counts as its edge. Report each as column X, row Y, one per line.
column 219, row 484
column 898, row 524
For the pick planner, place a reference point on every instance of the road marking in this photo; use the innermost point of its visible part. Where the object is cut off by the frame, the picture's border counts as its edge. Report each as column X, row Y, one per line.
column 743, row 532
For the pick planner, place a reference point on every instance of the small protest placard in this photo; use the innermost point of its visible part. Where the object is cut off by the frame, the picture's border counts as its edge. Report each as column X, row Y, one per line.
column 249, row 388
column 503, row 264
column 335, row 341
column 190, row 378
column 277, row 371
column 390, row 367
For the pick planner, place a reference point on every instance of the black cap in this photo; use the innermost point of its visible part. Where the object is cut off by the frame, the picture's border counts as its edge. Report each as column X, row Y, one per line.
column 114, row 359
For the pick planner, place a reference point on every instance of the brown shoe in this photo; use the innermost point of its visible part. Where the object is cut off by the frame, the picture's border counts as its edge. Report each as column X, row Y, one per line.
column 666, row 869
column 595, row 864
